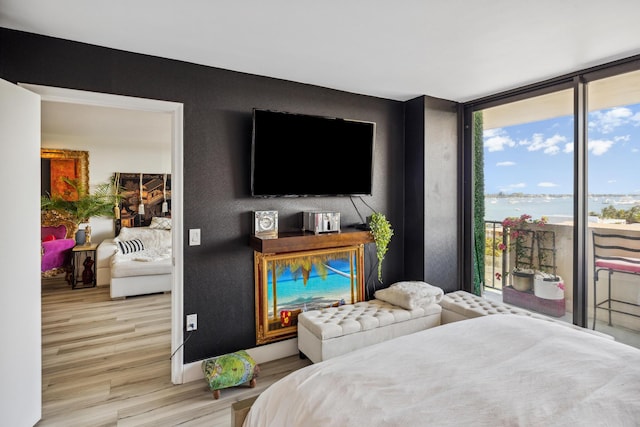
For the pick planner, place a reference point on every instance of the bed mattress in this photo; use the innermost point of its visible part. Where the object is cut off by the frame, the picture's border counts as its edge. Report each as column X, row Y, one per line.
column 505, row 370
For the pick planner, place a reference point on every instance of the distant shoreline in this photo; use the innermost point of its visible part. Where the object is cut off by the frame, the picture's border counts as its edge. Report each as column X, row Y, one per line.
column 555, row 208
column 512, row 195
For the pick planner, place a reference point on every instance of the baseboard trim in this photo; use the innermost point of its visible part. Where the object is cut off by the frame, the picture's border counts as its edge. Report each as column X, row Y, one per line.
column 262, row 354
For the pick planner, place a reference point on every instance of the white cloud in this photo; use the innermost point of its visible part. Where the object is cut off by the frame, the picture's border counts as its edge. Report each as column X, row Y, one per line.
column 611, row 181
column 548, row 145
column 568, row 147
column 599, row 146
column 625, row 138
column 553, row 149
column 634, row 150
column 506, row 163
column 497, row 139
column 607, row 121
column 518, row 185
column 547, row 184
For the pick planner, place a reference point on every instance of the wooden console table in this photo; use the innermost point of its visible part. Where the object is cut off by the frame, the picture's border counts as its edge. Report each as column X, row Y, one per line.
column 305, row 240
column 290, row 273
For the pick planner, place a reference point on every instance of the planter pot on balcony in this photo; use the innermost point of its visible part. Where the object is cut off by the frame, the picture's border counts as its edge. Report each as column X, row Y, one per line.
column 522, row 281
column 548, row 288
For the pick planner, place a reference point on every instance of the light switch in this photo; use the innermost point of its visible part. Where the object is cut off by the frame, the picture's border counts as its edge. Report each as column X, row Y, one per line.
column 194, row 237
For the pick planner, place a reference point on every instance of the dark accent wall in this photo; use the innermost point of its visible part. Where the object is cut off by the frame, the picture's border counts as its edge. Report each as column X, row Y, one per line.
column 432, row 182
column 218, row 275
column 414, row 188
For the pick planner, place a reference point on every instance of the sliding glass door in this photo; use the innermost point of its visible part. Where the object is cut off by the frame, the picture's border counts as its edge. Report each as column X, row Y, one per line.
column 614, row 203
column 549, row 166
column 528, row 202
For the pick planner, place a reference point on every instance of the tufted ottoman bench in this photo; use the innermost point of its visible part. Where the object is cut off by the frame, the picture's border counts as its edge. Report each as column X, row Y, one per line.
column 461, row 305
column 330, row 332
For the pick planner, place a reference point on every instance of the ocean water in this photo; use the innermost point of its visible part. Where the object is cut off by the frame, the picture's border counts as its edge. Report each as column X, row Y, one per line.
column 557, row 209
column 317, row 293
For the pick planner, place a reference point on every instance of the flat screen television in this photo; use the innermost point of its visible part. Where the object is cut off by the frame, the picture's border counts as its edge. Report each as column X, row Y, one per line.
column 299, row 155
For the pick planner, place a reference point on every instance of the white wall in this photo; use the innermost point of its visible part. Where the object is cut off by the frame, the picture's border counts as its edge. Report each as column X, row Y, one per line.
column 20, row 315
column 115, row 152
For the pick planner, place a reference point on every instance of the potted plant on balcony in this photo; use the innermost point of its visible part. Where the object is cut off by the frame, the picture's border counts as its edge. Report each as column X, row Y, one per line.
column 99, row 203
column 522, row 279
column 547, row 284
column 521, row 238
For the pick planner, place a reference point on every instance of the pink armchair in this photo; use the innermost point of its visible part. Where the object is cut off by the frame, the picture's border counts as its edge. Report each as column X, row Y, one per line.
column 57, row 237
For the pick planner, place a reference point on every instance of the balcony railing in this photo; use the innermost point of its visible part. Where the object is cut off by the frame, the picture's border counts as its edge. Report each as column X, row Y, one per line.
column 625, row 288
column 494, row 257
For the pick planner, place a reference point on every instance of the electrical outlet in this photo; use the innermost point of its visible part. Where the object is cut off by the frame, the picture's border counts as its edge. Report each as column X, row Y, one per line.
column 192, row 322
column 194, row 237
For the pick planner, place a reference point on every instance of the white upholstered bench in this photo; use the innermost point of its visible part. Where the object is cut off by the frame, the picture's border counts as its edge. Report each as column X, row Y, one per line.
column 461, row 305
column 330, row 332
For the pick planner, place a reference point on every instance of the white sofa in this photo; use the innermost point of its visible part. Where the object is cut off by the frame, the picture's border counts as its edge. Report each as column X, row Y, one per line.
column 143, row 270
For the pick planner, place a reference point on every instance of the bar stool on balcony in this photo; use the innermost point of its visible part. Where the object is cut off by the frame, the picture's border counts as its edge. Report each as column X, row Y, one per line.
column 614, row 253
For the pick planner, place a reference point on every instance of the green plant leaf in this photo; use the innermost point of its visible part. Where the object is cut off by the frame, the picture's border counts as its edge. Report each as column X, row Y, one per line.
column 98, row 203
column 382, row 233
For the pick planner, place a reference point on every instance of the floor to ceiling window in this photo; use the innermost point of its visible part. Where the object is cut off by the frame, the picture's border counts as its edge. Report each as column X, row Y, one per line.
column 540, row 208
column 614, row 202
column 528, row 202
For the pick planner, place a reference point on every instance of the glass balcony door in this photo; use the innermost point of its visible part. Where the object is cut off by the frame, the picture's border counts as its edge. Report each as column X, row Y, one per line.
column 614, row 204
column 528, row 204
column 556, row 164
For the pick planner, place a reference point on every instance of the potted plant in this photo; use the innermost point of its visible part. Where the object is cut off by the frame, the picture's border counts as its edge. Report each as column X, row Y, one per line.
column 99, row 203
column 547, row 284
column 382, row 232
column 521, row 244
column 522, row 279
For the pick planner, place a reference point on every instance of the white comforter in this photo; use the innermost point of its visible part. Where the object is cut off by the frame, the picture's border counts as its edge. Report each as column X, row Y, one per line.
column 501, row 370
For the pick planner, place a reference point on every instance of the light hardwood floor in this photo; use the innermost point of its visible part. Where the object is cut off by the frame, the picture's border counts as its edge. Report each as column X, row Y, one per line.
column 106, row 363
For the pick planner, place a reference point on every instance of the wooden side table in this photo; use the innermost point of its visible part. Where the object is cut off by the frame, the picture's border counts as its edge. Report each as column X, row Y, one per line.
column 83, row 266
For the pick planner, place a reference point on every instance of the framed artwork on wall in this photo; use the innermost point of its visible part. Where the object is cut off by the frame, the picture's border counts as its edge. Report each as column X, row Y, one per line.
column 146, row 195
column 290, row 283
column 57, row 164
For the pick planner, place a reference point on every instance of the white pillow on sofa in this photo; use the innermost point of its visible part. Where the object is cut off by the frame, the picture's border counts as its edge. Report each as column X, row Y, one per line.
column 153, row 238
column 410, row 294
column 161, row 223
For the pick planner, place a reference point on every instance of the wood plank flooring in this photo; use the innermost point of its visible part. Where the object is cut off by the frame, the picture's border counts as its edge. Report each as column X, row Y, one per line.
column 106, row 363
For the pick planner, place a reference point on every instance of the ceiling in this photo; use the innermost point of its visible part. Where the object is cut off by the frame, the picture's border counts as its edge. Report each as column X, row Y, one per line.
column 76, row 124
column 458, row 50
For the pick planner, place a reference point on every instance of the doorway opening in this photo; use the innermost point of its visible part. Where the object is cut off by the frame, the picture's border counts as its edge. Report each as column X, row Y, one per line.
column 175, row 111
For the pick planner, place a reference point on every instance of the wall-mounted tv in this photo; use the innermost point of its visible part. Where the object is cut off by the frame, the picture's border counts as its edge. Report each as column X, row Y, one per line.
column 299, row 155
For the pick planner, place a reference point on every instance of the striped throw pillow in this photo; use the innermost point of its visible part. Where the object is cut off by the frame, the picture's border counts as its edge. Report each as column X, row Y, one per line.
column 129, row 246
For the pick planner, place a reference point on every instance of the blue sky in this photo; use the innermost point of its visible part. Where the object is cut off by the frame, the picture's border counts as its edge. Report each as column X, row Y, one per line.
column 537, row 158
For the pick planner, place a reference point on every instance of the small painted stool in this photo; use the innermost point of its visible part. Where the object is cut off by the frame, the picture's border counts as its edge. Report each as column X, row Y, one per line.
column 230, row 370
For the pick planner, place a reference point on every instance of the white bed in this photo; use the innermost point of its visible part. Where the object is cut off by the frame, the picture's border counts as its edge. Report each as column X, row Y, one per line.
column 503, row 370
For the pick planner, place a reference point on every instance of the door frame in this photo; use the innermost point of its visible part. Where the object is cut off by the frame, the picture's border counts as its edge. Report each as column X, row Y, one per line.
column 175, row 109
